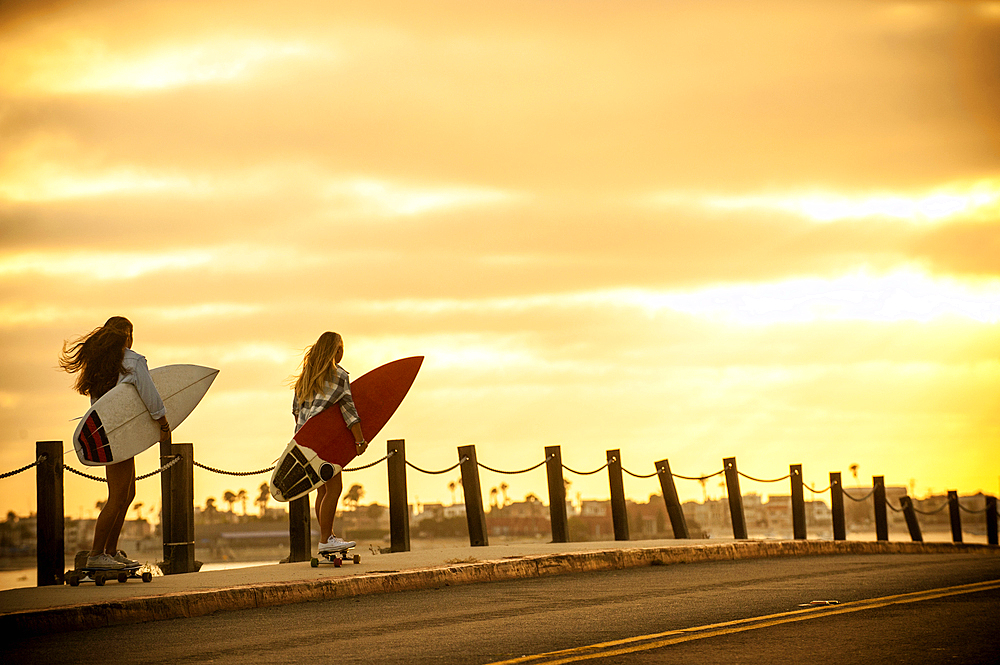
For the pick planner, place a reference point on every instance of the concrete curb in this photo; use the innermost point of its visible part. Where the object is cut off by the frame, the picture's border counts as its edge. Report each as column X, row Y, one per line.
column 203, row 602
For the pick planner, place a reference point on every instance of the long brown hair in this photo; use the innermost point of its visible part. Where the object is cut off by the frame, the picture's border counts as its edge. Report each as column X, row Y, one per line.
column 97, row 356
column 317, row 365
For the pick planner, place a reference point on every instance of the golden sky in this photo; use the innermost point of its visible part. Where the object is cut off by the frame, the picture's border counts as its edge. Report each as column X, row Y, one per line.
column 686, row 230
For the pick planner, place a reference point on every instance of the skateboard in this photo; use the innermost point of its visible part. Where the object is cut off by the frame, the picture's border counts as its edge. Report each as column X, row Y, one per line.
column 336, row 558
column 81, row 573
column 101, row 575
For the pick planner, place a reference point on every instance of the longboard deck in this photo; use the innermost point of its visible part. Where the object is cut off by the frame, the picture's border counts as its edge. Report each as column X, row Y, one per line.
column 117, row 426
column 336, row 558
column 101, row 575
column 324, row 446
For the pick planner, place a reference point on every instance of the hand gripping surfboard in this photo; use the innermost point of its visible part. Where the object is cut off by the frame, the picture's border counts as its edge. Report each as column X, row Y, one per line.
column 324, row 446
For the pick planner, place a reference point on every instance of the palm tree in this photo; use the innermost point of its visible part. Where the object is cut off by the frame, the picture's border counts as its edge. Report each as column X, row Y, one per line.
column 452, row 486
column 854, row 472
column 210, row 509
column 230, row 499
column 494, row 492
column 137, row 507
column 263, row 498
column 353, row 496
column 241, row 496
column 534, row 503
column 503, row 490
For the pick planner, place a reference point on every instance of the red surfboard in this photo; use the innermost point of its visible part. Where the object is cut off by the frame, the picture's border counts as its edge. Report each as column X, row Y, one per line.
column 324, row 446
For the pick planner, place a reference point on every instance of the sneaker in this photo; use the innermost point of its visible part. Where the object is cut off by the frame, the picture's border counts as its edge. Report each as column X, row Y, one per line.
column 121, row 558
column 104, row 562
column 335, row 544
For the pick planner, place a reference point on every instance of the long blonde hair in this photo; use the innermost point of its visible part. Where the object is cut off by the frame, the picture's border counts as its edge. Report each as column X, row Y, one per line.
column 97, row 356
column 318, row 365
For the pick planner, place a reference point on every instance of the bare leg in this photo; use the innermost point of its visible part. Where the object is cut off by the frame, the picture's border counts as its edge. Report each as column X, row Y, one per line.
column 320, row 493
column 326, row 506
column 111, row 547
column 121, row 491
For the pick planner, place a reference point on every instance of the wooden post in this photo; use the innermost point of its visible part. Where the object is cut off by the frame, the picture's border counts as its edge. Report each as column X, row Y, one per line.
column 178, row 533
column 991, row 520
column 670, row 498
column 799, row 530
column 881, row 517
column 50, row 550
column 166, row 456
column 474, row 512
column 837, row 507
column 299, row 529
column 911, row 519
column 399, row 508
column 619, row 511
column 557, row 494
column 956, row 516
column 735, row 498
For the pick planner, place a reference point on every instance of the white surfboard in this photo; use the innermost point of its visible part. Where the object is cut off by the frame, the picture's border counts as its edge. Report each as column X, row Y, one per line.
column 118, row 427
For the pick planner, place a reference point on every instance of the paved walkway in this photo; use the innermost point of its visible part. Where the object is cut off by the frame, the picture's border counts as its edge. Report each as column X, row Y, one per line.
column 60, row 608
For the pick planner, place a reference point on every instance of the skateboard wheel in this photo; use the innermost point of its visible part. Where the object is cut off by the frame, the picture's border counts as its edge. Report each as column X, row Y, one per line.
column 99, row 579
column 122, row 577
column 74, row 580
column 357, row 558
column 337, row 562
column 314, row 562
column 147, row 576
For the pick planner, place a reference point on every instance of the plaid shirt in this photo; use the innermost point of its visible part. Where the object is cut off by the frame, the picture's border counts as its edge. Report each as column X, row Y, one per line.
column 336, row 391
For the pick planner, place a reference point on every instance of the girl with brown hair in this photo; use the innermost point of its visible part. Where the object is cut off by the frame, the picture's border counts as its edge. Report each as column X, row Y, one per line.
column 323, row 383
column 102, row 359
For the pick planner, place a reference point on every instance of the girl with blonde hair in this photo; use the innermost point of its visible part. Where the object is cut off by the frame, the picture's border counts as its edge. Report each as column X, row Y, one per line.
column 102, row 359
column 322, row 384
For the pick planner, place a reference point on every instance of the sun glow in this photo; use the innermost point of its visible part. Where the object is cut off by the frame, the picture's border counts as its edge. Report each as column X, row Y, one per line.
column 903, row 295
column 52, row 183
column 56, row 170
column 979, row 201
column 100, row 265
column 83, row 65
column 225, row 354
column 387, row 198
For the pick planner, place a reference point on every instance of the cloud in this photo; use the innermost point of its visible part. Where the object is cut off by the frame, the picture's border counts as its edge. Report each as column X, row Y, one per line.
column 99, row 266
column 616, row 100
column 961, row 249
column 978, row 200
column 84, row 65
column 899, row 296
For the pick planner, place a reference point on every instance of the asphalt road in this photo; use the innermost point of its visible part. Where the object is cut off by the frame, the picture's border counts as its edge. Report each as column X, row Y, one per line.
column 892, row 608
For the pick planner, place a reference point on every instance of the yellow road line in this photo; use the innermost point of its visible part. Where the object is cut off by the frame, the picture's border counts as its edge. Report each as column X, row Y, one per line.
column 659, row 640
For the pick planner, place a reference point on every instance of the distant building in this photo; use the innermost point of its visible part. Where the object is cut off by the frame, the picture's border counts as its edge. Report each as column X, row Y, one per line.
column 526, row 519
column 438, row 511
column 78, row 534
column 777, row 517
column 859, row 507
column 18, row 535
